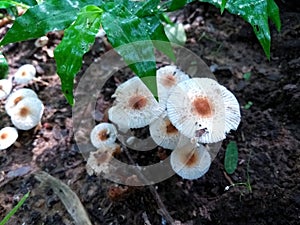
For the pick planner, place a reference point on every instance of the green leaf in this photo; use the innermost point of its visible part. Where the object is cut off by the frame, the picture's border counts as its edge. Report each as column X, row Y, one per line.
column 247, row 76
column 257, row 14
column 48, row 16
column 176, row 33
column 3, row 66
column 176, row 4
column 27, row 2
column 77, row 40
column 231, row 157
column 10, row 8
column 223, row 4
column 159, row 37
column 15, row 209
column 129, row 36
column 273, row 12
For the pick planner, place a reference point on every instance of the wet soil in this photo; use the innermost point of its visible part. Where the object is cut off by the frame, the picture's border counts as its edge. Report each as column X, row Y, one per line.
column 268, row 137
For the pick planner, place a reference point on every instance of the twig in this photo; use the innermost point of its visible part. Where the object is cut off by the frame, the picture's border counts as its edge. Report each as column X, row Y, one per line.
column 162, row 208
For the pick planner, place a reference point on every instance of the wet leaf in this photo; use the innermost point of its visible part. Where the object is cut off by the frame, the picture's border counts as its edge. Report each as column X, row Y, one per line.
column 27, row 2
column 48, row 16
column 231, row 157
column 128, row 35
column 68, row 54
column 257, row 13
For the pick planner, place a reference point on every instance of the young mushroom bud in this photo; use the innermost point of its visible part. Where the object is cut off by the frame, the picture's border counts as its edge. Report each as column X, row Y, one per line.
column 5, row 88
column 8, row 136
column 27, row 113
column 168, row 77
column 203, row 109
column 25, row 74
column 190, row 161
column 135, row 106
column 14, row 98
column 103, row 134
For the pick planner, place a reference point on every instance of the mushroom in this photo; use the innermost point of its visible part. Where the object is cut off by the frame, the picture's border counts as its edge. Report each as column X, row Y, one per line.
column 168, row 77
column 5, row 88
column 98, row 161
column 203, row 109
column 14, row 98
column 41, row 41
column 135, row 106
column 164, row 133
column 25, row 74
column 27, row 113
column 190, row 161
column 8, row 136
column 103, row 134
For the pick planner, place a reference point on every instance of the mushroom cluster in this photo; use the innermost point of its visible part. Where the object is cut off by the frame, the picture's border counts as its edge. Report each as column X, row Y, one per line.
column 189, row 114
column 198, row 111
column 23, row 105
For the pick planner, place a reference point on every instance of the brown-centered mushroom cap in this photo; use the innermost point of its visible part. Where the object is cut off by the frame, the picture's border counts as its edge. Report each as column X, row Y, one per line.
column 164, row 133
column 168, row 77
column 15, row 97
column 134, row 106
column 190, row 161
column 103, row 134
column 27, row 113
column 25, row 74
column 201, row 108
column 8, row 136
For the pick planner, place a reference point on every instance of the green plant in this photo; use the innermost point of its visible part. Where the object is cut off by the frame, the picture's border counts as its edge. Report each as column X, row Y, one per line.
column 15, row 209
column 125, row 22
column 231, row 157
column 3, row 66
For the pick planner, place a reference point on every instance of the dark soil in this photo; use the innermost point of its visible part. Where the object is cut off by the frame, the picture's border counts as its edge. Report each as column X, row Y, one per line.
column 268, row 137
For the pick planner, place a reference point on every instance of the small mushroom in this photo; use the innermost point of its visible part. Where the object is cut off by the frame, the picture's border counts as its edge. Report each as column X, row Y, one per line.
column 25, row 74
column 201, row 108
column 8, row 136
column 164, row 133
column 190, row 161
column 135, row 106
column 5, row 88
column 103, row 134
column 168, row 77
column 41, row 41
column 27, row 113
column 14, row 98
column 98, row 161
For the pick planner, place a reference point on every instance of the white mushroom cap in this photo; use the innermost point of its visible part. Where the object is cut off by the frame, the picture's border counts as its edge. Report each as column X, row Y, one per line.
column 8, row 136
column 164, row 133
column 25, row 74
column 41, row 41
column 135, row 106
column 201, row 108
column 190, row 161
column 27, row 113
column 103, row 134
column 168, row 77
column 5, row 88
column 16, row 97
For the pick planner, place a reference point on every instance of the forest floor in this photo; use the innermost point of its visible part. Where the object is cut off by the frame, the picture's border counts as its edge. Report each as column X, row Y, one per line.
column 268, row 137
